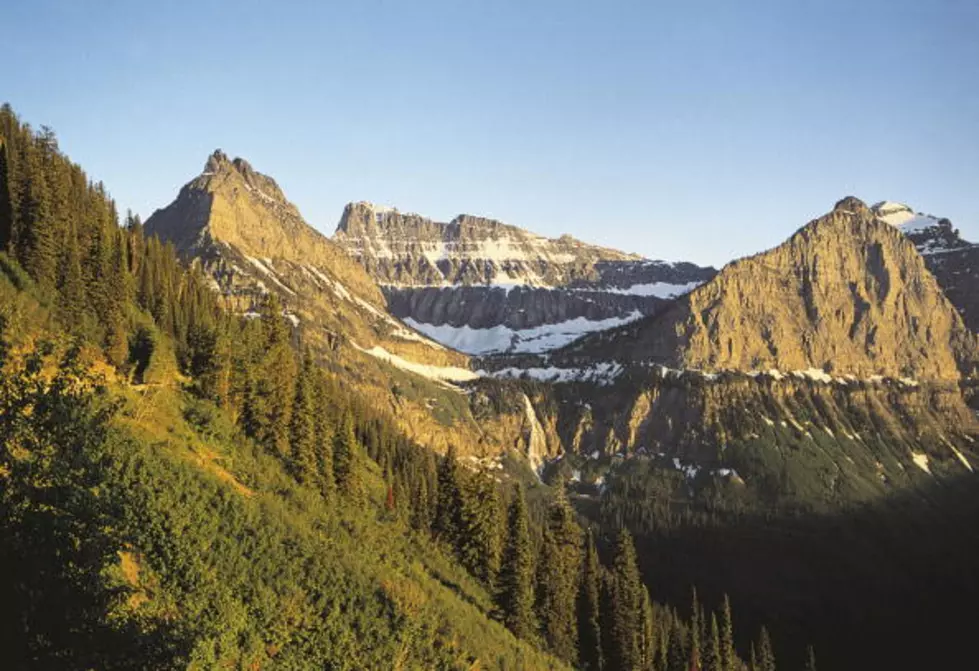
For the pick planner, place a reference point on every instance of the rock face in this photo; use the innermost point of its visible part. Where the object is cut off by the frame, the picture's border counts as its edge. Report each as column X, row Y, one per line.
column 848, row 294
column 485, row 287
column 238, row 226
column 953, row 261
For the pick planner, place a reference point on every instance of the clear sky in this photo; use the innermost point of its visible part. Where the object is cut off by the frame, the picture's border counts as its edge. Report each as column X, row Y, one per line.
column 677, row 129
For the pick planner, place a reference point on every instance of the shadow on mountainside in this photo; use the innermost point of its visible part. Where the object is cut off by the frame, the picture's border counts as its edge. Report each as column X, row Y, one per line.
column 889, row 584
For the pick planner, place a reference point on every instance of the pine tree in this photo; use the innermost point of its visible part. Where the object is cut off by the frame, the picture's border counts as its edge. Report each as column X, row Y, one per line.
column 712, row 647
column 448, row 512
column 557, row 579
column 479, row 543
column 766, row 656
column 303, row 429
column 676, row 654
column 589, row 627
column 37, row 232
column 729, row 658
column 346, row 461
column 6, row 206
column 325, row 433
column 516, row 583
column 696, row 627
column 623, row 625
column 71, row 292
column 647, row 633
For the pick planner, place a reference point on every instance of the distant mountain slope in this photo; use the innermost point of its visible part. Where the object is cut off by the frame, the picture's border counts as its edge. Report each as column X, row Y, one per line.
column 953, row 261
column 484, row 287
column 239, row 226
column 847, row 294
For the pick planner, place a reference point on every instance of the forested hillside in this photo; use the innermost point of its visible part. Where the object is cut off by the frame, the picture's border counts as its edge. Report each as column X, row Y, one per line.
column 181, row 487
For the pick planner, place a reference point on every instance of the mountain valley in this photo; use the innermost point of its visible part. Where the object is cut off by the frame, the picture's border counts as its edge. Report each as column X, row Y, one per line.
column 231, row 440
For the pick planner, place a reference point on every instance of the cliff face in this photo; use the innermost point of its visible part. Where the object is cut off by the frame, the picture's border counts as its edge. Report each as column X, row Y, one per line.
column 239, row 227
column 953, row 261
column 231, row 204
column 848, row 294
column 485, row 287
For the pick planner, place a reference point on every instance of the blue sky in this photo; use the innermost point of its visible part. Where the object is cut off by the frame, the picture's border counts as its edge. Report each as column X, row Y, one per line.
column 681, row 130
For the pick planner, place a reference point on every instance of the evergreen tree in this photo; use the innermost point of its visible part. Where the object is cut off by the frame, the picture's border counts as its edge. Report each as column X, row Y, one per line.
column 448, row 512
column 325, row 435
column 696, row 626
column 478, row 544
column 729, row 658
column 557, row 579
column 647, row 633
column 589, row 627
column 623, row 624
column 37, row 232
column 676, row 654
column 712, row 647
column 766, row 656
column 6, row 206
column 516, row 584
column 303, row 429
column 346, row 461
column 71, row 290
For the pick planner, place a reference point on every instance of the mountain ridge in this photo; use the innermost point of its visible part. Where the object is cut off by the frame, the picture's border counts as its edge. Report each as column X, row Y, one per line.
column 847, row 293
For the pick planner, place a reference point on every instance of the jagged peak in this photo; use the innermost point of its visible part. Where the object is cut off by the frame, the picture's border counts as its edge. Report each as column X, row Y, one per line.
column 851, row 204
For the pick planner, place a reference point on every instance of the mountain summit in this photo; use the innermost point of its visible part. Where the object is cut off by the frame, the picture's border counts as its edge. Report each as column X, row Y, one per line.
column 848, row 294
column 485, row 287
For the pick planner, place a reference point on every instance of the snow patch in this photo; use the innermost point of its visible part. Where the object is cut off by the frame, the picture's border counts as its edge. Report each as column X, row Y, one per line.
column 601, row 373
column 921, row 461
column 663, row 290
column 503, row 339
column 268, row 272
column 440, row 373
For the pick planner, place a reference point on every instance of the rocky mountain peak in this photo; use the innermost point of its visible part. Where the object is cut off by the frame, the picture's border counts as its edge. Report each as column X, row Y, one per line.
column 847, row 294
column 852, row 205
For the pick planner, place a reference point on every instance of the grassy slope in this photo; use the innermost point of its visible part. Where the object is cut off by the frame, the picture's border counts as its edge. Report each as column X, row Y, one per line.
column 223, row 560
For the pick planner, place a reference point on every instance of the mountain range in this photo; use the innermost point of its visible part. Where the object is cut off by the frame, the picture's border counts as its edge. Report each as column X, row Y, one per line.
column 821, row 390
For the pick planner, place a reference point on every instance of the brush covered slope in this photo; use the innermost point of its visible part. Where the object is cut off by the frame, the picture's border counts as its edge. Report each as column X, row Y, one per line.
column 237, row 225
column 485, row 287
column 183, row 487
column 204, row 496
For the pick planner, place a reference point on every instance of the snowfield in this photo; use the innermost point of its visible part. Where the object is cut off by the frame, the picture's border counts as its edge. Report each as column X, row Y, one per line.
column 503, row 339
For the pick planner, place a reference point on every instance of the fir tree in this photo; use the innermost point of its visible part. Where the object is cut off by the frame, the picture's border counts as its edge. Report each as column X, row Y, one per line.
column 712, row 647
column 589, row 627
column 729, row 657
column 676, row 656
column 448, row 512
column 325, row 434
column 346, row 461
column 6, row 206
column 303, row 429
column 623, row 625
column 696, row 626
column 478, row 544
column 557, row 579
column 516, row 583
column 766, row 656
column 647, row 633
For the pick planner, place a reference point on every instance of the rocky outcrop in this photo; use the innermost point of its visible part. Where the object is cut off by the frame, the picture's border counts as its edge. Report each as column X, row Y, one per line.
column 239, row 227
column 847, row 294
column 485, row 287
column 953, row 261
